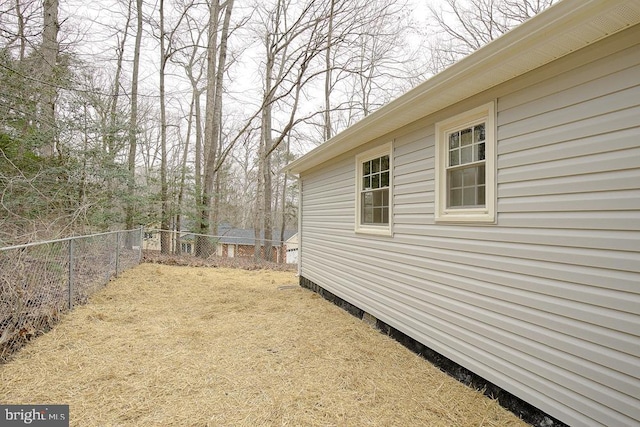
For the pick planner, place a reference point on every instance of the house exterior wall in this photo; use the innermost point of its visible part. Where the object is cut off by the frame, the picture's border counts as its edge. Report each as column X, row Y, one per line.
column 234, row 250
column 546, row 302
column 151, row 242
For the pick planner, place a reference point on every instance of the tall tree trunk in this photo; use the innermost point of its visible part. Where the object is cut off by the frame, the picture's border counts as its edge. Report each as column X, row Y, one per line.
column 183, row 175
column 21, row 34
column 196, row 92
column 203, row 244
column 215, row 77
column 265, row 158
column 133, row 121
column 215, row 212
column 199, row 149
column 283, row 222
column 258, row 214
column 327, row 80
column 267, row 219
column 109, row 142
column 82, row 191
column 165, row 237
column 50, row 48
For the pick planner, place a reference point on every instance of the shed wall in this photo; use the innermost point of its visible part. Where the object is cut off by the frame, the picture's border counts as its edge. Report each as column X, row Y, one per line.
column 546, row 303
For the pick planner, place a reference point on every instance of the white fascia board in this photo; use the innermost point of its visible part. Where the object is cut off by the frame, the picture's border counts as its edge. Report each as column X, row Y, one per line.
column 563, row 28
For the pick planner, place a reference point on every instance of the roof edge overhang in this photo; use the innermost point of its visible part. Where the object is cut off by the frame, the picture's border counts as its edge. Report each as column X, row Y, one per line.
column 561, row 29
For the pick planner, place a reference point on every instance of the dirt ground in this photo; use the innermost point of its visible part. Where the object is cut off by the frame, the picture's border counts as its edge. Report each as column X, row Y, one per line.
column 185, row 346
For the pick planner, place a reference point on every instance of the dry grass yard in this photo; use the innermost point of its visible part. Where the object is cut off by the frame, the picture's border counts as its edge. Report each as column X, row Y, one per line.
column 183, row 346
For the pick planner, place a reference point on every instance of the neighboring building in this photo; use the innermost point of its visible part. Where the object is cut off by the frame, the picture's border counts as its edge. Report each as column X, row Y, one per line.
column 291, row 246
column 187, row 243
column 151, row 241
column 240, row 242
column 492, row 213
column 229, row 242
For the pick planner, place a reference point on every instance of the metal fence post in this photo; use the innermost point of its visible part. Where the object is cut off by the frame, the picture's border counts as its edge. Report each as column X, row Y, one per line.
column 71, row 267
column 140, row 243
column 117, row 252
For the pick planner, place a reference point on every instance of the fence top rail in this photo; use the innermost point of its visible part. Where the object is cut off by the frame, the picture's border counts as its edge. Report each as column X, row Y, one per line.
column 46, row 242
column 233, row 239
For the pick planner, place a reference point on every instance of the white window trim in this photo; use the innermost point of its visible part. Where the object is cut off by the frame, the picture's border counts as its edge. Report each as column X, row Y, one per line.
column 380, row 230
column 487, row 214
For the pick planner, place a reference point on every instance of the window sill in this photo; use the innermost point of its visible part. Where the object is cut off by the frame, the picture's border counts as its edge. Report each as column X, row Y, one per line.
column 374, row 231
column 465, row 217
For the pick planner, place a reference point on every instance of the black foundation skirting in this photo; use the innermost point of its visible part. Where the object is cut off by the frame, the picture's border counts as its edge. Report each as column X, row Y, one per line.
column 525, row 411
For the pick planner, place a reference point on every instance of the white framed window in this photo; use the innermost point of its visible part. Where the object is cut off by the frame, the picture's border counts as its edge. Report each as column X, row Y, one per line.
column 374, row 175
column 466, row 167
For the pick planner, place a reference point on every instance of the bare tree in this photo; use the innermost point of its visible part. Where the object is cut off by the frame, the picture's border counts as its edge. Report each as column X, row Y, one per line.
column 328, row 80
column 111, row 131
column 50, row 50
column 190, row 56
column 245, row 180
column 294, row 35
column 16, row 25
column 119, row 133
column 133, row 121
column 366, row 61
column 216, row 62
column 167, row 50
column 183, row 175
column 165, row 240
column 463, row 26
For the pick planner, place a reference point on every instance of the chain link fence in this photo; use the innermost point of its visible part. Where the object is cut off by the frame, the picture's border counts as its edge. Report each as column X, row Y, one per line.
column 236, row 248
column 40, row 281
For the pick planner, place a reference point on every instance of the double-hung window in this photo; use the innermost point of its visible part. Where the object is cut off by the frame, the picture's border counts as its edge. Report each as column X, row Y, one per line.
column 465, row 167
column 373, row 198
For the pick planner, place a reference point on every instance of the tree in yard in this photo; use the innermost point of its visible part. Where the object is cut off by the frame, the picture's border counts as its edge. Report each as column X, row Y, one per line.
column 463, row 26
column 165, row 240
column 79, row 138
column 243, row 179
column 293, row 36
column 15, row 32
column 133, row 120
column 36, row 180
column 216, row 66
column 29, row 35
column 368, row 60
column 190, row 56
column 50, row 51
column 166, row 51
column 287, row 214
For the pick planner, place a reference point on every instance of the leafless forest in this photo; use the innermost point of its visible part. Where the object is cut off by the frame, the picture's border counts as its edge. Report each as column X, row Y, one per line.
column 181, row 113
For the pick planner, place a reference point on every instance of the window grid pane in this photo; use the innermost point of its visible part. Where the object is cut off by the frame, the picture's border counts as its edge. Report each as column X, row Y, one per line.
column 466, row 187
column 375, row 206
column 375, row 191
column 467, row 145
column 466, row 136
column 466, row 184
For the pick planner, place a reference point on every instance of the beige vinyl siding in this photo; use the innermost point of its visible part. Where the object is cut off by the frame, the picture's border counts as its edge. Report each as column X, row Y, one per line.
column 414, row 182
column 546, row 303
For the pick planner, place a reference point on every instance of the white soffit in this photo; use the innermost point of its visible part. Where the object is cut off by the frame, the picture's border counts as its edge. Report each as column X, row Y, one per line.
column 558, row 31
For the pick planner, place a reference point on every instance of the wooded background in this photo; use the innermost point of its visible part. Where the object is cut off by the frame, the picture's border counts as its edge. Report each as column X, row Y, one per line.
column 180, row 114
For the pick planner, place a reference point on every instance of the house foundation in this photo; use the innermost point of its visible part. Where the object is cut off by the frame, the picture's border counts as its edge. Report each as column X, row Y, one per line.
column 525, row 411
